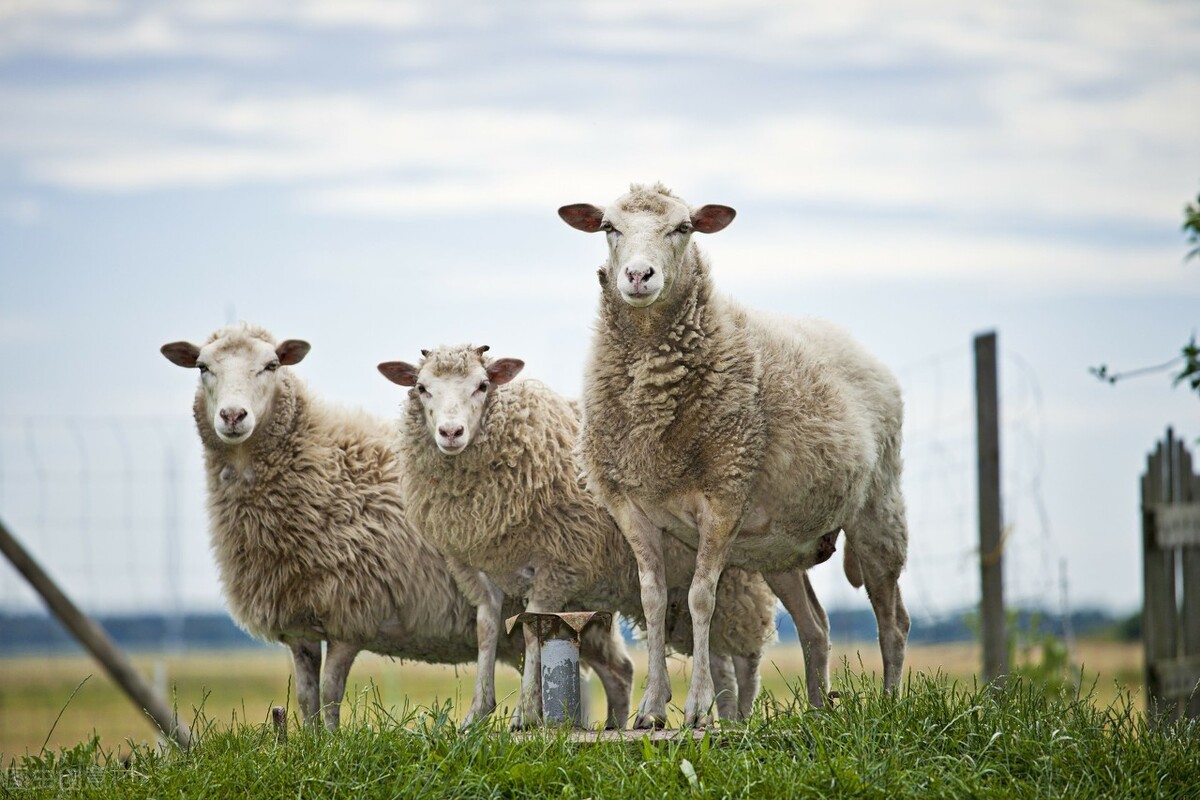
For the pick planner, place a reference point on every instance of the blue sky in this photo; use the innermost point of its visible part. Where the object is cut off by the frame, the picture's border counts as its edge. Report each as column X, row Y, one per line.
column 381, row 177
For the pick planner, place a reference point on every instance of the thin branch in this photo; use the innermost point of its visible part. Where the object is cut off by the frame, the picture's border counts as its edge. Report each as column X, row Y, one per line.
column 1103, row 374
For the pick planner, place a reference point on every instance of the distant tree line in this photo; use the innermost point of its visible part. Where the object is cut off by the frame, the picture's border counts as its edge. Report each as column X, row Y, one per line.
column 41, row 633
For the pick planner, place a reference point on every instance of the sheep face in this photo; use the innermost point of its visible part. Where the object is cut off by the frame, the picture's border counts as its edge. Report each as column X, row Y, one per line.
column 452, row 386
column 238, row 376
column 648, row 231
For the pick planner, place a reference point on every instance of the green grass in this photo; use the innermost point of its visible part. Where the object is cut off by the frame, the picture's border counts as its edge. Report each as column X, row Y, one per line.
column 240, row 686
column 936, row 740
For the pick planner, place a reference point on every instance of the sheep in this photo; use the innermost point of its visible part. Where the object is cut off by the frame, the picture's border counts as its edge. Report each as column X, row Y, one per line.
column 490, row 478
column 308, row 526
column 754, row 438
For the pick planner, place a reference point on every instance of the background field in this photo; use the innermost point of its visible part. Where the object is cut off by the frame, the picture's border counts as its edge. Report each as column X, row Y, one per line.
column 242, row 685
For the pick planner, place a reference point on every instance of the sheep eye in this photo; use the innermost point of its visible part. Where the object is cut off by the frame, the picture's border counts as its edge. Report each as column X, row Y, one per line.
column 684, row 227
column 274, row 365
column 483, row 386
column 606, row 226
column 203, row 368
column 421, row 388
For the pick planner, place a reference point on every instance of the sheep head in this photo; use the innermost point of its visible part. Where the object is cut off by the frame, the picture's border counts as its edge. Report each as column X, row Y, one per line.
column 649, row 230
column 238, row 374
column 452, row 385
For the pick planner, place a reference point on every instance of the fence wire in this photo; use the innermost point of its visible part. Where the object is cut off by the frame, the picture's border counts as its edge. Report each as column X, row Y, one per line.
column 113, row 506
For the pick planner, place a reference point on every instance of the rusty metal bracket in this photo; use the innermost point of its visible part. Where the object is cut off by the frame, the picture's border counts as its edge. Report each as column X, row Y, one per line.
column 558, row 639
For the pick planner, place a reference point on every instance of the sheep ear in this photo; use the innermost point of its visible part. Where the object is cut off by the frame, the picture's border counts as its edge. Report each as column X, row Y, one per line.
column 582, row 216
column 503, row 370
column 399, row 372
column 183, row 354
column 292, row 351
column 710, row 219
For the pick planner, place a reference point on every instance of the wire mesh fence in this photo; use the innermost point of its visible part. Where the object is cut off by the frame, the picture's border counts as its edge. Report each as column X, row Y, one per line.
column 114, row 506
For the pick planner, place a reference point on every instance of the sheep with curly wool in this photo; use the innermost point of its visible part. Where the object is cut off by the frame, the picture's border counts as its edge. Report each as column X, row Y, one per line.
column 753, row 438
column 490, row 478
column 308, row 525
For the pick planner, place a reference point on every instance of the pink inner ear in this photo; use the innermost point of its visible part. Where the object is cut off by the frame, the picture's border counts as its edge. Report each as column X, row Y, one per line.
column 292, row 351
column 582, row 216
column 399, row 372
column 503, row 370
column 181, row 354
column 712, row 218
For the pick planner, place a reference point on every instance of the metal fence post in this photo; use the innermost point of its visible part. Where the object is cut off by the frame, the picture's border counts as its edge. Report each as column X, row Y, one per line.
column 558, row 638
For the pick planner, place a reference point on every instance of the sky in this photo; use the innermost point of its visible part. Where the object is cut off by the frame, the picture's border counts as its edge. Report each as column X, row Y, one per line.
column 381, row 177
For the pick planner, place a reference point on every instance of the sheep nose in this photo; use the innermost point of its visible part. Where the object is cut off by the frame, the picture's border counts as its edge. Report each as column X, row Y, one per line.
column 639, row 276
column 449, row 432
column 232, row 416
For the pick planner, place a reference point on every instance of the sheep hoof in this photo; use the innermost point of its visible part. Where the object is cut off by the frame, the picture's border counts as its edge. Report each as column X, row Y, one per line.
column 524, row 720
column 654, row 722
column 475, row 715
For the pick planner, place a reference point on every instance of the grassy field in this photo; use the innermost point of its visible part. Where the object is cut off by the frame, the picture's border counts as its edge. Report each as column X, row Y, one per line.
column 937, row 740
column 240, row 686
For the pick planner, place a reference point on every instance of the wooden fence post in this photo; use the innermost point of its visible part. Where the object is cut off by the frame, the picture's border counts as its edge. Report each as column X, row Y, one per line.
column 98, row 643
column 991, row 551
column 1171, row 549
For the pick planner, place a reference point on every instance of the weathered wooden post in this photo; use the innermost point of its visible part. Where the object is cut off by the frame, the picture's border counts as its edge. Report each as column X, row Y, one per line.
column 991, row 551
column 98, row 643
column 1171, row 550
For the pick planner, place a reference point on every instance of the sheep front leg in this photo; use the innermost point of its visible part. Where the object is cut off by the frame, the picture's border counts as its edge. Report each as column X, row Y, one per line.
column 645, row 539
column 339, row 656
column 306, row 656
column 812, row 625
column 488, row 600
column 528, row 712
column 718, row 526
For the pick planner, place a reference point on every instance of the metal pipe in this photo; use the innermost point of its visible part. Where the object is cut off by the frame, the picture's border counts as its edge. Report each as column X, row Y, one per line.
column 558, row 642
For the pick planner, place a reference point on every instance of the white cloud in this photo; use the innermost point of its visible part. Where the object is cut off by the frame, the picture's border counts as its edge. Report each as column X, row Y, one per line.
column 1072, row 128
column 107, row 31
column 789, row 257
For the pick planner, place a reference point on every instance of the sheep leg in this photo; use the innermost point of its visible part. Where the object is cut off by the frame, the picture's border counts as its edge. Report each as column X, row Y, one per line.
column 795, row 591
column 715, row 537
column 880, row 543
column 892, row 619
column 725, row 686
column 528, row 712
column 748, row 682
column 645, row 539
column 604, row 651
column 306, row 656
column 488, row 600
column 339, row 656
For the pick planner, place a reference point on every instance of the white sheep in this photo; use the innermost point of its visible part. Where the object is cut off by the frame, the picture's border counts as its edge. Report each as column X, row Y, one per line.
column 754, row 438
column 308, row 525
column 490, row 478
